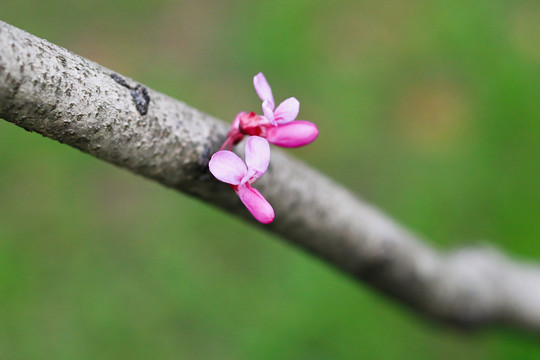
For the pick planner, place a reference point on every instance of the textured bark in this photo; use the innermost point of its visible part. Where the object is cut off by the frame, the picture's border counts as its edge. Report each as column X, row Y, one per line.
column 49, row 90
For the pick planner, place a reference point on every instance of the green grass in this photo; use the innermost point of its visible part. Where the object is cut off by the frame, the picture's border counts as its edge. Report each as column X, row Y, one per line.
column 427, row 109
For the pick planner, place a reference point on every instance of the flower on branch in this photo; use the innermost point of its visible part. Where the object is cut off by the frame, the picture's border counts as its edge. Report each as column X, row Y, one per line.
column 279, row 126
column 226, row 166
column 286, row 112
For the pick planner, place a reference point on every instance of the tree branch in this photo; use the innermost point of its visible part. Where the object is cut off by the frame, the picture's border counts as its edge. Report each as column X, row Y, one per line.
column 49, row 90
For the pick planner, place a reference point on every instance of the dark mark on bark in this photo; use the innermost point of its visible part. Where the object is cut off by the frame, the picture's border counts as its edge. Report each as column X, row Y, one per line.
column 203, row 164
column 141, row 97
column 139, row 94
column 120, row 80
column 205, row 158
column 62, row 60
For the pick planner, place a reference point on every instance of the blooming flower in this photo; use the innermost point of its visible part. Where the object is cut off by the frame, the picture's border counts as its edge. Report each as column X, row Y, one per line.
column 278, row 126
column 286, row 112
column 285, row 131
column 226, row 166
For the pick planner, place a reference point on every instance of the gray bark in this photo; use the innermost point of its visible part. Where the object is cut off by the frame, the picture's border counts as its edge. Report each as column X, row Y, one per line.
column 47, row 89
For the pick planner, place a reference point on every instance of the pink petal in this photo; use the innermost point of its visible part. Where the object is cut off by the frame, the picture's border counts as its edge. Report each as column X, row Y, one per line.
column 268, row 111
column 257, row 157
column 287, row 111
column 293, row 134
column 256, row 204
column 263, row 89
column 226, row 166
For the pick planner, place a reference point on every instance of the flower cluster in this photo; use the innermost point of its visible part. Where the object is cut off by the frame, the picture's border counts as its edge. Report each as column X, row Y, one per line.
column 277, row 126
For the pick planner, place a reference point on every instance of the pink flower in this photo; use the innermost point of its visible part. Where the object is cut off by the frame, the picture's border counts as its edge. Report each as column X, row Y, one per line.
column 278, row 123
column 286, row 112
column 226, row 166
column 277, row 126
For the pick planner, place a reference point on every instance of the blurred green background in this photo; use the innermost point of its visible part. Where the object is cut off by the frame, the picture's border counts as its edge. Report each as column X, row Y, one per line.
column 430, row 110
